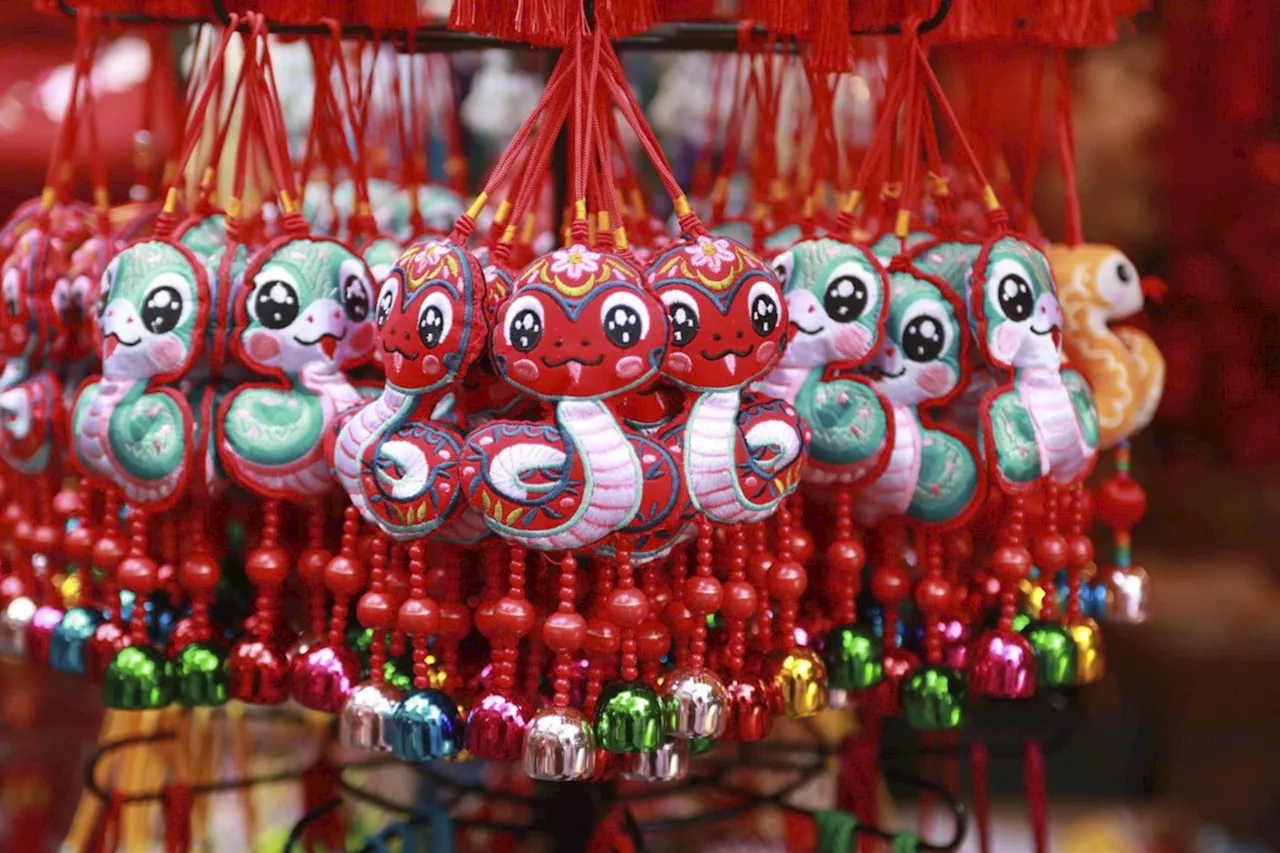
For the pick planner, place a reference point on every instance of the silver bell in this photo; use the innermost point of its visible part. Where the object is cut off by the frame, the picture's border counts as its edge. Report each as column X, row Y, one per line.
column 667, row 763
column 360, row 722
column 13, row 627
column 1129, row 596
column 696, row 704
column 559, row 746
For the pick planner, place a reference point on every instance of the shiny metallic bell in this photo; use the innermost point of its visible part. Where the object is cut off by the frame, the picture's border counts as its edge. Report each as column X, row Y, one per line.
column 667, row 763
column 360, row 725
column 559, row 746
column 696, row 704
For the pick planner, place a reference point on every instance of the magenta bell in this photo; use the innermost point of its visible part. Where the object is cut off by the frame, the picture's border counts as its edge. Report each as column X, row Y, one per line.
column 1003, row 666
column 496, row 727
column 40, row 633
column 324, row 678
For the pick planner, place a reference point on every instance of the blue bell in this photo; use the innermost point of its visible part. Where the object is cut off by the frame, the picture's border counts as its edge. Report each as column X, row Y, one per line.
column 70, row 638
column 424, row 726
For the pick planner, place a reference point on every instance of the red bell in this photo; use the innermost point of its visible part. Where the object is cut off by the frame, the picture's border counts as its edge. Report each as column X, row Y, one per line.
column 258, row 672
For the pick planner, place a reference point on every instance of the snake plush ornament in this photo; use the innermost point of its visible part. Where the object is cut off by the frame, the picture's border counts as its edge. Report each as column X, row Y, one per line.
column 128, row 428
column 1042, row 421
column 1098, row 286
column 397, row 462
column 740, row 455
column 304, row 316
column 577, row 328
column 837, row 301
column 934, row 476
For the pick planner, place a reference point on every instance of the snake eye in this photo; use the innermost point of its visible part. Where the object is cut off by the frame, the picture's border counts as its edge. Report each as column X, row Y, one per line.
column 435, row 319
column 625, row 319
column 161, row 309
column 1015, row 297
column 386, row 299
column 783, row 267
column 524, row 325
column 923, row 339
column 683, row 311
column 275, row 301
column 355, row 299
column 765, row 307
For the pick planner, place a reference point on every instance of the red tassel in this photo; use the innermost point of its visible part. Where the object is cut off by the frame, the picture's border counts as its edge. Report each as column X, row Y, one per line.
column 177, row 819
column 621, row 18
column 319, row 785
column 832, row 47
column 107, row 827
column 1037, row 794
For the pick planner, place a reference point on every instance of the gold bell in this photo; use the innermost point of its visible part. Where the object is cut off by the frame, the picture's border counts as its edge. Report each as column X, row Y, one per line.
column 799, row 683
column 1091, row 654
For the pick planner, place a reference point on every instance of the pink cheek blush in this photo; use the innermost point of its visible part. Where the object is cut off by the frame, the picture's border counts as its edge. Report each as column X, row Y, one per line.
column 524, row 370
column 430, row 365
column 936, row 380
column 678, row 362
column 167, row 354
column 629, row 367
column 1007, row 338
column 262, row 347
column 765, row 351
column 854, row 342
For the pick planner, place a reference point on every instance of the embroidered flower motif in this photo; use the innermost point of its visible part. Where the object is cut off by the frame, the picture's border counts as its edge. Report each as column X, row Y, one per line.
column 575, row 261
column 710, row 253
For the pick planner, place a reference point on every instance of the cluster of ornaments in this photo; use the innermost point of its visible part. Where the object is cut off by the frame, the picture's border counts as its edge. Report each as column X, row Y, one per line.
column 591, row 514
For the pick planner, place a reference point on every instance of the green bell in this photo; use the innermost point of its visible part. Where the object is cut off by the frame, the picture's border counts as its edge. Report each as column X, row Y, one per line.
column 200, row 675
column 138, row 678
column 1020, row 622
column 854, row 658
column 933, row 698
column 398, row 672
column 1055, row 651
column 701, row 745
column 629, row 718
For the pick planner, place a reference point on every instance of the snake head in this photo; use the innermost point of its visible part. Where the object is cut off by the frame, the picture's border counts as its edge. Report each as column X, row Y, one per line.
column 728, row 316
column 1098, row 278
column 1014, row 306
column 307, row 306
column 579, row 324
column 430, row 317
column 836, row 300
column 26, row 321
column 155, row 304
column 920, row 359
column 75, row 296
column 440, row 208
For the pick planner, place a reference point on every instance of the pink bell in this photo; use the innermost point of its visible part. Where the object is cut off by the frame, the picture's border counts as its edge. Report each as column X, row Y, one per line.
column 1003, row 666
column 324, row 677
column 496, row 727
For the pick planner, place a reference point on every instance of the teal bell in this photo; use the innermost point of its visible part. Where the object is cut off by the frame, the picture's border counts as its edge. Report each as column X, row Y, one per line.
column 200, row 675
column 629, row 718
column 1055, row 651
column 71, row 639
column 423, row 726
column 854, row 658
column 138, row 679
column 933, row 698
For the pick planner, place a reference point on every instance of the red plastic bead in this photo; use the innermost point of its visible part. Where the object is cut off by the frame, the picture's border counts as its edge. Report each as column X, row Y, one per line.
column 933, row 595
column 138, row 574
column 11, row 587
column 45, row 539
column 652, row 640
column 311, row 566
column 602, row 638
column 78, row 543
column 109, row 551
column 344, row 576
column 680, row 618
column 890, row 585
column 267, row 566
column 739, row 600
column 960, row 546
column 1079, row 549
column 703, row 594
column 787, row 580
column 68, row 503
column 200, row 572
column 801, row 545
column 564, row 632
column 846, row 555
column 1011, row 563
column 513, row 617
column 419, row 617
column 455, row 621
column 627, row 607
column 375, row 610
column 758, row 566
column 1050, row 551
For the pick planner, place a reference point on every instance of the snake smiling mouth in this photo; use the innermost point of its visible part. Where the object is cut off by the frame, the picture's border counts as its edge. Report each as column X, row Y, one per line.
column 328, row 342
column 879, row 373
column 121, row 341
column 394, row 350
column 599, row 360
column 816, row 331
column 1048, row 331
column 730, row 357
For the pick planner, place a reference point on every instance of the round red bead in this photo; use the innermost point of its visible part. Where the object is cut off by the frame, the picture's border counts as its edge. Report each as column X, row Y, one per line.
column 652, row 640
column 419, row 617
column 1050, row 551
column 137, row 573
column 513, row 617
column 933, row 595
column 703, row 594
column 267, row 566
column 801, row 545
column 200, row 572
column 45, row 539
column 455, row 621
column 627, row 607
column 564, row 632
column 1079, row 549
column 846, row 555
column 68, row 503
column 890, row 585
column 78, row 543
column 311, row 565
column 739, row 600
column 375, row 610
column 602, row 638
column 344, row 576
column 787, row 580
column 108, row 552
column 1011, row 563
column 758, row 566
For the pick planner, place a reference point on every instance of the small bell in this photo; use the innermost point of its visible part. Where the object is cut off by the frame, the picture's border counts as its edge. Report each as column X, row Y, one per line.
column 854, row 658
column 667, row 763
column 696, row 704
column 933, row 698
column 1091, row 654
column 559, row 746
column 1129, row 596
column 360, row 725
column 750, row 710
column 138, row 679
column 424, row 726
column 1055, row 652
column 40, row 633
column 69, row 644
column 200, row 675
column 496, row 727
column 800, row 682
column 258, row 672
column 1003, row 666
column 14, row 620
column 839, row 699
column 107, row 641
column 323, row 678
column 885, row 698
column 629, row 718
